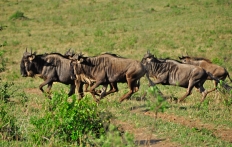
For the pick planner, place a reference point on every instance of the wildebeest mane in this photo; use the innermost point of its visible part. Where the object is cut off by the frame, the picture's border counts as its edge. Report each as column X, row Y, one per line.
column 99, row 59
column 165, row 59
column 55, row 53
column 153, row 67
column 201, row 58
column 112, row 54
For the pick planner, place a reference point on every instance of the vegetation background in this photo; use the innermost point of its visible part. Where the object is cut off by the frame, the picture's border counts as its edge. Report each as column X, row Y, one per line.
column 129, row 28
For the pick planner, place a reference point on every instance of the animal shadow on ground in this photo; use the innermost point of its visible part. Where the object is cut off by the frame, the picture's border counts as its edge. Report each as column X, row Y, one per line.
column 148, row 142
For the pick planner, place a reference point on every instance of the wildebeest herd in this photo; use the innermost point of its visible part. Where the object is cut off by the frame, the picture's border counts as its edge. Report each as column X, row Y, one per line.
column 106, row 69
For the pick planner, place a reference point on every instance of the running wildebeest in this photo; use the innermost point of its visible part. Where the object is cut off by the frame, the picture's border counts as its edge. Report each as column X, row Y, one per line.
column 85, row 80
column 217, row 71
column 51, row 68
column 174, row 73
column 110, row 69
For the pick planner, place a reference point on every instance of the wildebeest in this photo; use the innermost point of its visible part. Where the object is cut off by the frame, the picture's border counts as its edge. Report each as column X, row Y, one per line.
column 51, row 68
column 110, row 69
column 69, row 54
column 217, row 71
column 85, row 80
column 82, row 79
column 174, row 73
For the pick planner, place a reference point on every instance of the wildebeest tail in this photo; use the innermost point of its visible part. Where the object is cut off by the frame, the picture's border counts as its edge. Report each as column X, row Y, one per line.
column 224, row 85
column 229, row 77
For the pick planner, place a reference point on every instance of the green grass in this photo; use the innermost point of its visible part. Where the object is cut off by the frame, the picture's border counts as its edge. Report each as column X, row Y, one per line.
column 129, row 28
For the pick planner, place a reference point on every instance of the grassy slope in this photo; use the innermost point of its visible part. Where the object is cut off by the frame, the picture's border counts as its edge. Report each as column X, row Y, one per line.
column 129, row 28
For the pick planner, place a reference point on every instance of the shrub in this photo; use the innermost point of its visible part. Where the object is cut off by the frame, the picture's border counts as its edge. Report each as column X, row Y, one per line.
column 69, row 120
column 160, row 103
column 8, row 128
column 4, row 91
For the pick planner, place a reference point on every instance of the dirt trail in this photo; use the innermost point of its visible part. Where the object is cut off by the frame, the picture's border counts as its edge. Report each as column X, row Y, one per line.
column 143, row 137
column 219, row 131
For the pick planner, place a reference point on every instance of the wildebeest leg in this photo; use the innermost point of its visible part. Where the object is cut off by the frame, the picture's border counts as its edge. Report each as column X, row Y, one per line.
column 79, row 87
column 188, row 92
column 47, row 81
column 113, row 88
column 103, row 93
column 72, row 90
column 86, row 87
column 203, row 92
column 49, row 87
column 92, row 90
column 80, row 90
column 151, row 83
column 95, row 92
column 48, row 91
column 131, row 84
column 136, row 87
column 215, row 86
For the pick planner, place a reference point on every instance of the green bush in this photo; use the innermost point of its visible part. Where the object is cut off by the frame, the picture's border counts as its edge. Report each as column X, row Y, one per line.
column 69, row 120
column 160, row 103
column 4, row 91
column 8, row 128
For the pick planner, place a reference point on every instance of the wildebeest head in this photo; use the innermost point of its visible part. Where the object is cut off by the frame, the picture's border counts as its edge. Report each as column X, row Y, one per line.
column 77, row 59
column 185, row 59
column 148, row 58
column 26, row 64
column 69, row 54
column 193, row 60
